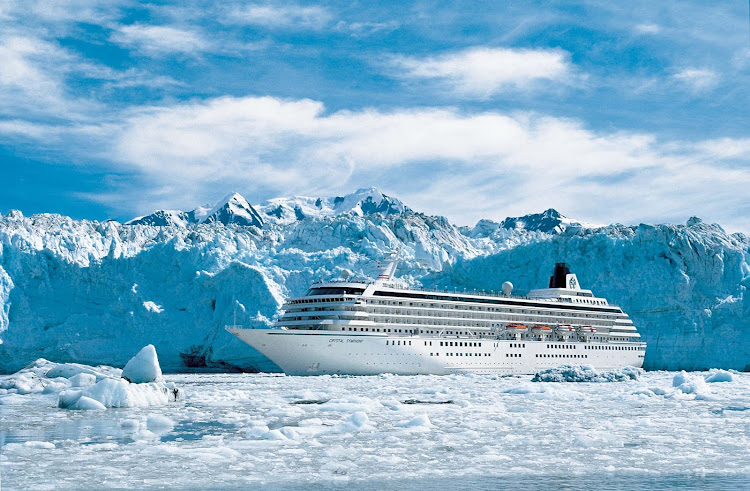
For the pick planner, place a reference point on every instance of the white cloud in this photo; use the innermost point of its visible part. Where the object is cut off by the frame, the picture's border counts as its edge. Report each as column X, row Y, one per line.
column 697, row 79
column 439, row 160
column 442, row 161
column 647, row 28
column 485, row 71
column 364, row 29
column 726, row 148
column 158, row 40
column 32, row 78
column 288, row 16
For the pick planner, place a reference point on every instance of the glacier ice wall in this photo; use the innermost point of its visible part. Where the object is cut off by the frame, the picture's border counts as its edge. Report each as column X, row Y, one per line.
column 95, row 292
column 685, row 287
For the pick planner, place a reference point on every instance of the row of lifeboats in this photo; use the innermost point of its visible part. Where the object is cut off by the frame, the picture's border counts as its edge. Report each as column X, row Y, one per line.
column 539, row 328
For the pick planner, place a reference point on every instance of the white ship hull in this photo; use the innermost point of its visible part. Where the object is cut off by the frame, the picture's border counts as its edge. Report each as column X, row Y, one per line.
column 328, row 352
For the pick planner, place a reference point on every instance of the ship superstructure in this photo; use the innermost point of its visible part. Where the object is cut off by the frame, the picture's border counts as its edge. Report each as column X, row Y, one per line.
column 382, row 326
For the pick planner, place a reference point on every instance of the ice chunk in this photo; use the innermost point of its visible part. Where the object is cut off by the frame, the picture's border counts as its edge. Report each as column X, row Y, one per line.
column 256, row 432
column 719, row 376
column 418, row 421
column 273, row 435
column 130, row 424
column 68, row 398
column 112, row 392
column 159, row 423
column 358, row 419
column 585, row 373
column 680, row 379
column 37, row 444
column 74, row 399
column 688, row 384
column 88, row 404
column 82, row 380
column 143, row 367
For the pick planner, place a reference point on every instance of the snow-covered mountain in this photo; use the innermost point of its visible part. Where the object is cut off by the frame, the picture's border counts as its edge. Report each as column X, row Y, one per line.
column 362, row 202
column 234, row 208
column 549, row 222
column 95, row 292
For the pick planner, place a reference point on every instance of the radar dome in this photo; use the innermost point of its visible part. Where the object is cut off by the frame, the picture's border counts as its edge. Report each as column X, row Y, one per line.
column 507, row 288
column 345, row 274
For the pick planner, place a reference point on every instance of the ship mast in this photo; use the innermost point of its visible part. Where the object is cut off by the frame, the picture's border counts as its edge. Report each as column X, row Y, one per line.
column 388, row 266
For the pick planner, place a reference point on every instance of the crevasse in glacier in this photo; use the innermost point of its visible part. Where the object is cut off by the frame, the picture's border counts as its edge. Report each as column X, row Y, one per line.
column 95, row 292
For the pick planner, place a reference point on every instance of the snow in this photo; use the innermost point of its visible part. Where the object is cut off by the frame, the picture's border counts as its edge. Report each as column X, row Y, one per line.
column 249, row 431
column 68, row 287
column 152, row 306
column 143, row 367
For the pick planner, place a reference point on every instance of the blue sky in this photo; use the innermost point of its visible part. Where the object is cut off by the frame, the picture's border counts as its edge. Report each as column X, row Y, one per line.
column 609, row 113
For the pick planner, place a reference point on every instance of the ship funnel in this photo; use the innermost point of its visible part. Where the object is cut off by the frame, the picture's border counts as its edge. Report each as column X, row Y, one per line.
column 560, row 276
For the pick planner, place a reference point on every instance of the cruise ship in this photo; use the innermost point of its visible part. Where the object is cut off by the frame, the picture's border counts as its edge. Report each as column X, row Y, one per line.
column 382, row 326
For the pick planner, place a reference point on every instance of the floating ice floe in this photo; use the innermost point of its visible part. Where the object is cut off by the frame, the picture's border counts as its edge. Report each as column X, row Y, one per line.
column 141, row 385
column 686, row 383
column 716, row 375
column 84, row 387
column 585, row 373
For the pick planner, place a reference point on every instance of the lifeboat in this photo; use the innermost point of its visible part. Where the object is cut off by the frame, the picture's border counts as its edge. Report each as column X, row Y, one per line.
column 541, row 328
column 587, row 329
column 515, row 327
column 565, row 327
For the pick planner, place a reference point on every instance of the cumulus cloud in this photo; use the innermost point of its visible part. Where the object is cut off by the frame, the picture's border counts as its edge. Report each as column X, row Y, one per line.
column 281, row 16
column 158, row 40
column 697, row 79
column 481, row 72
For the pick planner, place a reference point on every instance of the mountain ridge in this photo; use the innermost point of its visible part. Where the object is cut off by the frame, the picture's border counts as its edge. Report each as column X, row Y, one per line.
column 92, row 292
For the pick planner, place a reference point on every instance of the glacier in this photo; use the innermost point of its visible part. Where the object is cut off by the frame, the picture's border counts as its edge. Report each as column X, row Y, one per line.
column 92, row 292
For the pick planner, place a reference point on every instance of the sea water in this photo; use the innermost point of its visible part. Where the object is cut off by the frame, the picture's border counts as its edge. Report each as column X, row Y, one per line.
column 661, row 431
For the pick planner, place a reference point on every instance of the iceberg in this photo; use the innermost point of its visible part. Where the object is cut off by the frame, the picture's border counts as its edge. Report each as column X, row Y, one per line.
column 88, row 292
column 143, row 367
column 81, row 387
